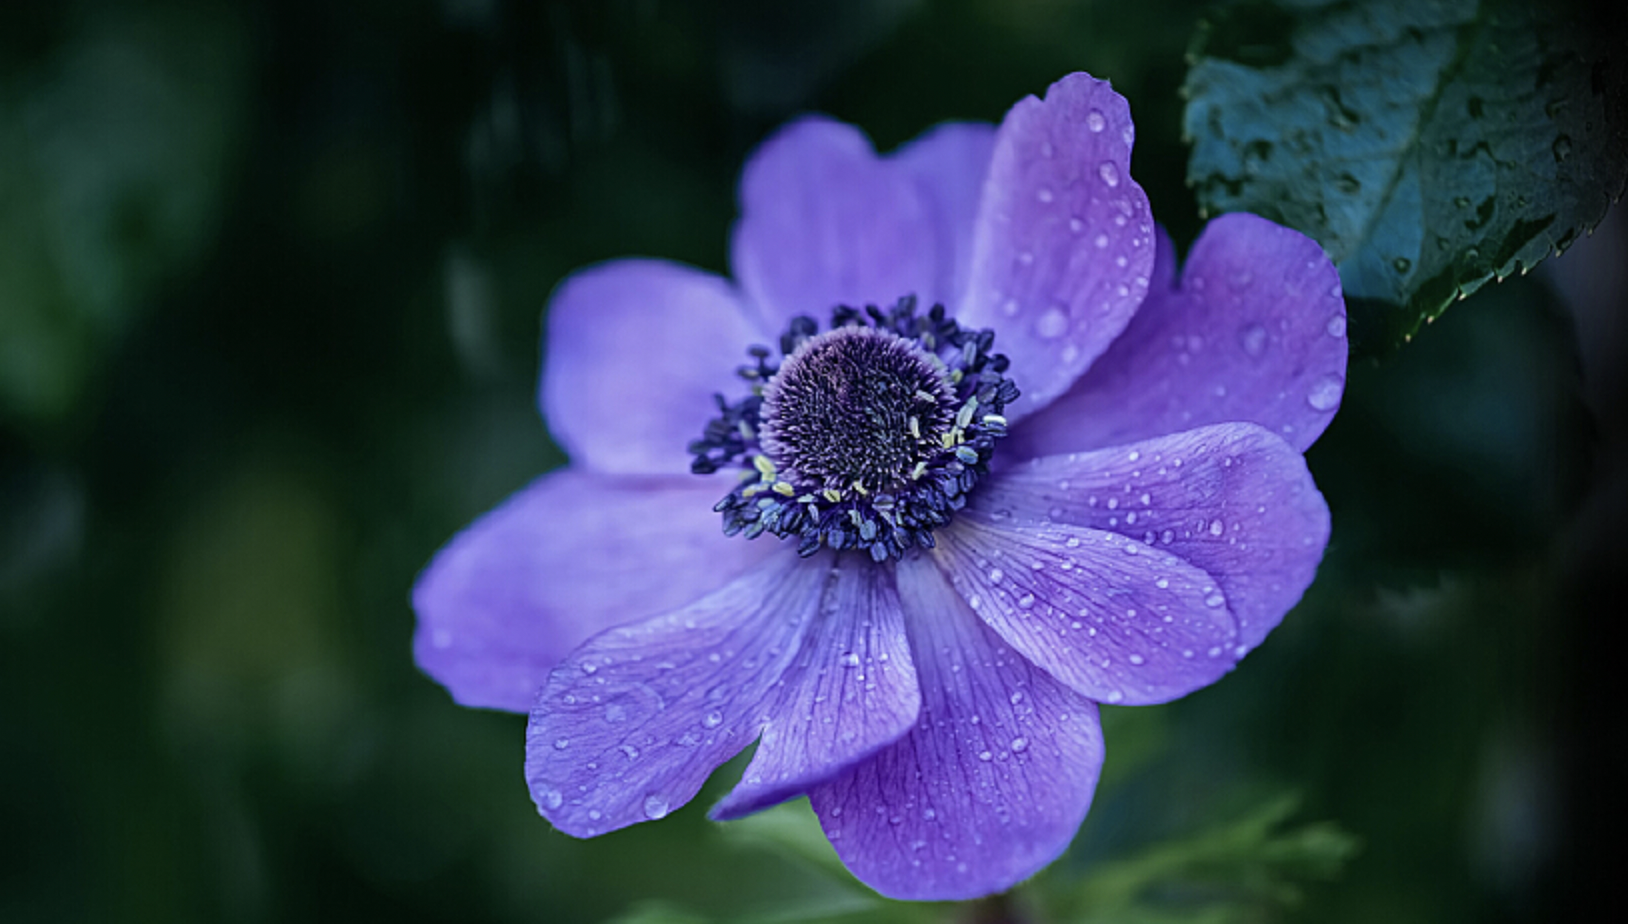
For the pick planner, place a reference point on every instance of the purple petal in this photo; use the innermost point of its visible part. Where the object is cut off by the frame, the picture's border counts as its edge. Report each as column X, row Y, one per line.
column 950, row 163
column 1231, row 500
column 992, row 782
column 825, row 222
column 636, row 349
column 566, row 557
column 1255, row 332
column 1064, row 241
column 851, row 690
column 1106, row 615
column 632, row 722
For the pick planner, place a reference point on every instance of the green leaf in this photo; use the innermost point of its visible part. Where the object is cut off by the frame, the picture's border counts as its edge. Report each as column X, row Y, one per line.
column 1231, row 872
column 1428, row 146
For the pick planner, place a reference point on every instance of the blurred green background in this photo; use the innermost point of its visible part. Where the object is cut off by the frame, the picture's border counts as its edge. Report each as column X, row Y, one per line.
column 270, row 282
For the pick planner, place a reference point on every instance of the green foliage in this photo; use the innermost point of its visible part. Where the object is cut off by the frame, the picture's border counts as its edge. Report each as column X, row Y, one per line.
column 1428, row 146
column 1238, row 871
column 113, row 151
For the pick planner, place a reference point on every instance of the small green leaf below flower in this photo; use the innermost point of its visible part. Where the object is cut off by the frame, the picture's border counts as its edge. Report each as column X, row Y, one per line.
column 1428, row 147
column 1235, row 871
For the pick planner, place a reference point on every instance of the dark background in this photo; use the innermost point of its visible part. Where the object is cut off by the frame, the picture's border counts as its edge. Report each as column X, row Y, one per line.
column 270, row 284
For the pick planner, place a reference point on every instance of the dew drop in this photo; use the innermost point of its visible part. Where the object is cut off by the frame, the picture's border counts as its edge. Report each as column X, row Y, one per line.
column 1075, row 225
column 1016, row 697
column 1325, row 393
column 1137, row 660
column 995, row 575
column 1019, row 744
column 1115, row 696
column 1252, row 337
column 712, row 719
column 1010, row 307
column 1216, row 527
column 1336, row 326
column 1052, row 324
column 655, row 807
column 1214, row 600
column 1402, row 264
column 1109, row 173
column 561, row 744
column 551, row 798
column 985, row 756
column 1044, row 194
column 1094, row 120
column 1101, row 241
column 850, row 659
column 1026, row 601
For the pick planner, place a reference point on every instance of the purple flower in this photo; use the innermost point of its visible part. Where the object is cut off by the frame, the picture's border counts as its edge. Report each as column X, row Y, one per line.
column 947, row 533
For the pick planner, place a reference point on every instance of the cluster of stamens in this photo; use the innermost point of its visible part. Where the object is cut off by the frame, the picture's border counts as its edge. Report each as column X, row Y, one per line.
column 866, row 436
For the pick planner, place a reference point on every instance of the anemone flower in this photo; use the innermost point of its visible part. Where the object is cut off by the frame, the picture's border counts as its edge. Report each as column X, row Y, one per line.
column 954, row 458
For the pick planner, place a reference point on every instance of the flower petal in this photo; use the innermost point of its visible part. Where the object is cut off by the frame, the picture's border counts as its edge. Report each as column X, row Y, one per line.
column 1232, row 500
column 950, row 162
column 1256, row 332
column 1064, row 240
column 1111, row 618
column 636, row 349
column 825, row 222
column 633, row 721
column 566, row 557
column 992, row 782
column 851, row 690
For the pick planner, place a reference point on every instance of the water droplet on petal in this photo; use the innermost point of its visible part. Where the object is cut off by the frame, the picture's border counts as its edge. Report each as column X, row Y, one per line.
column 1019, row 744
column 1052, row 324
column 1217, row 527
column 850, row 659
column 1137, row 660
column 1109, row 173
column 1336, row 326
column 551, row 798
column 1095, row 121
column 1101, row 241
column 1325, row 393
column 985, row 756
column 655, row 807
column 1043, row 194
column 561, row 744
column 1252, row 337
column 1214, row 600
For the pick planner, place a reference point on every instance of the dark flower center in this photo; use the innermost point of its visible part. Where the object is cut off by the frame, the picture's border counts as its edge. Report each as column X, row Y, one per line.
column 867, row 436
column 856, row 408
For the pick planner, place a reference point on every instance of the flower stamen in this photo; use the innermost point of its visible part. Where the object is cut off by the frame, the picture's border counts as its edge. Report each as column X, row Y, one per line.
column 866, row 436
